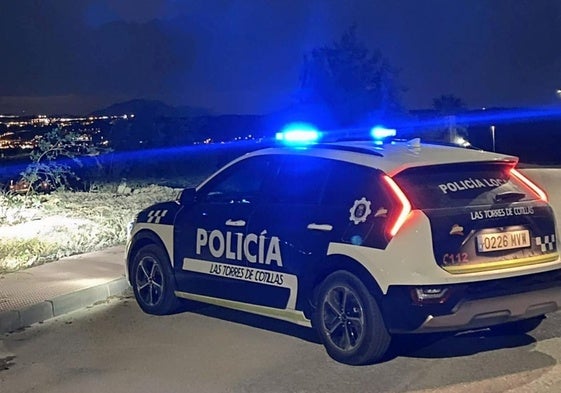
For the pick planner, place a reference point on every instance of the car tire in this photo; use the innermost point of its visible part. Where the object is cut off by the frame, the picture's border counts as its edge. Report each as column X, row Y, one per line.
column 349, row 322
column 152, row 281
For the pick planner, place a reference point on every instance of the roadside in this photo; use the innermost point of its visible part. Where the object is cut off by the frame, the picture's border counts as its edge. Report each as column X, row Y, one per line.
column 37, row 229
column 64, row 251
column 43, row 292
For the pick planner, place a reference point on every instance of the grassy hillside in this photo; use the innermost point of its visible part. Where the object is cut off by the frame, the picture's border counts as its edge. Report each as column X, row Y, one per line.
column 43, row 228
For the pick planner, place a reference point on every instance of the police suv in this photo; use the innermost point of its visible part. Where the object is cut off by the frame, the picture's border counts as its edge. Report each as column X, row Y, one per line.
column 357, row 240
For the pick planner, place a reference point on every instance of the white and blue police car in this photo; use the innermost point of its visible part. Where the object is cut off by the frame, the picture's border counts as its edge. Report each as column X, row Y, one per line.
column 357, row 240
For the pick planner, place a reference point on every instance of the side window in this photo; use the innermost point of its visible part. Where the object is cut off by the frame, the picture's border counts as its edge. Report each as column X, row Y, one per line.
column 349, row 182
column 299, row 180
column 240, row 183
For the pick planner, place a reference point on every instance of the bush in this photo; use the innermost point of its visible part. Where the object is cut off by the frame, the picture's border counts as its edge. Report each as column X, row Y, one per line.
column 63, row 223
column 53, row 159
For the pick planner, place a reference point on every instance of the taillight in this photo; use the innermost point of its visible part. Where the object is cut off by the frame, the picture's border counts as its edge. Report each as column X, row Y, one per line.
column 405, row 206
column 531, row 185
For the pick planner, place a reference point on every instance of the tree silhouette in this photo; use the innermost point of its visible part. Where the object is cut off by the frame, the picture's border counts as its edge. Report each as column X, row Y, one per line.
column 448, row 104
column 349, row 82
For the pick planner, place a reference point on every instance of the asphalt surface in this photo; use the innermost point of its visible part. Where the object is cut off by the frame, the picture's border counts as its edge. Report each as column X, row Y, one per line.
column 53, row 289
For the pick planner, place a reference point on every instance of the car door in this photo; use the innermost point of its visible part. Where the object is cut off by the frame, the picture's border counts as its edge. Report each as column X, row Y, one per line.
column 287, row 222
column 311, row 203
column 209, row 233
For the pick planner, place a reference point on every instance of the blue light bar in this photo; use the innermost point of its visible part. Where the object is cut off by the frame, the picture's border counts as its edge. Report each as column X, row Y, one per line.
column 379, row 133
column 298, row 134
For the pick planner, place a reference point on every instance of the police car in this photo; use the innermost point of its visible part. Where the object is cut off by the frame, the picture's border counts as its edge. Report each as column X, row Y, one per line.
column 357, row 240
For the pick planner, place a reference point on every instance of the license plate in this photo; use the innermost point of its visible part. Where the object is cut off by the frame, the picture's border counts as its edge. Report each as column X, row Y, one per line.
column 503, row 241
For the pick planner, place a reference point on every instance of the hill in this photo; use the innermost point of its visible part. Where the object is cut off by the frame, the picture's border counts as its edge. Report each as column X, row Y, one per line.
column 149, row 108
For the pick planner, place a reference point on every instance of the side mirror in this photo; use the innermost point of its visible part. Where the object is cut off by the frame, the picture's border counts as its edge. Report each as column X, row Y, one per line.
column 188, row 196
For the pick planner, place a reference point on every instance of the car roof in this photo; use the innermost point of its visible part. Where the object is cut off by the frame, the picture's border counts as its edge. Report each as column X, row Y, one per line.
column 393, row 157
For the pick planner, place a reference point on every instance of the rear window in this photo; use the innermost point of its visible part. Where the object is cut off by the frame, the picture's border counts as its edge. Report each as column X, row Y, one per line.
column 457, row 185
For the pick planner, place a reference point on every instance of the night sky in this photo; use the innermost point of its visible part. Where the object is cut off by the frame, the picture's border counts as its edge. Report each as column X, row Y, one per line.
column 244, row 56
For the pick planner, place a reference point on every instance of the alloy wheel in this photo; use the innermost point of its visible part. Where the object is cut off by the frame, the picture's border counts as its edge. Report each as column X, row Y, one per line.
column 343, row 318
column 149, row 281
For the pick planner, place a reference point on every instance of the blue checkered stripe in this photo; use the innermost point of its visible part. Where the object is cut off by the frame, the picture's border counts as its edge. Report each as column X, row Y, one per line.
column 155, row 216
column 547, row 243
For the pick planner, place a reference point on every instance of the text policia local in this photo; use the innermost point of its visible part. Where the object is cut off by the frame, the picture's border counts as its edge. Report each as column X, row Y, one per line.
column 468, row 184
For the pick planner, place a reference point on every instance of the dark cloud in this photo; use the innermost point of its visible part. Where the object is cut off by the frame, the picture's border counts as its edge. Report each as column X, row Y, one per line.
column 52, row 53
column 499, row 53
column 245, row 55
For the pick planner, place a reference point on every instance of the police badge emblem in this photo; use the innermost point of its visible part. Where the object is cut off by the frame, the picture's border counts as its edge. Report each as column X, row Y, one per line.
column 360, row 211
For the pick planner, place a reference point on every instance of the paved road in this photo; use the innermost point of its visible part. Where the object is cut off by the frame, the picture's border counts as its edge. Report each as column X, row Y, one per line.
column 114, row 347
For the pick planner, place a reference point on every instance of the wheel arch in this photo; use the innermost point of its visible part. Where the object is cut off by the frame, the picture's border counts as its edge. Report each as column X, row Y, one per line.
column 334, row 263
column 143, row 238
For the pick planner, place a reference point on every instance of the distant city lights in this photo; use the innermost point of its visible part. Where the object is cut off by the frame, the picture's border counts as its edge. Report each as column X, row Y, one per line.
column 18, row 129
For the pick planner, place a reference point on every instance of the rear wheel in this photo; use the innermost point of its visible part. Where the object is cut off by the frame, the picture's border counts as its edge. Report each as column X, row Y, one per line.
column 152, row 281
column 349, row 321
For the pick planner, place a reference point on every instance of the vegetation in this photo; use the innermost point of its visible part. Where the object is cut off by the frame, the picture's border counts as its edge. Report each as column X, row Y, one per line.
column 40, row 228
column 68, row 200
column 348, row 82
column 53, row 159
column 448, row 104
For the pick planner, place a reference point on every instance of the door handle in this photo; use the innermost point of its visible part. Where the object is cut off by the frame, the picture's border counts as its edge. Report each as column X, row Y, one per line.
column 320, row 227
column 235, row 223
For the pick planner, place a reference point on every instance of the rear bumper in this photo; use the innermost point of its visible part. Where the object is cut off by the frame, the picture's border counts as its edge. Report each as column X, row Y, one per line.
column 473, row 305
column 493, row 311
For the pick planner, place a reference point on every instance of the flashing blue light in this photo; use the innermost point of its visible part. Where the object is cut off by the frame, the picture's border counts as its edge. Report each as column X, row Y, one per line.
column 298, row 134
column 379, row 133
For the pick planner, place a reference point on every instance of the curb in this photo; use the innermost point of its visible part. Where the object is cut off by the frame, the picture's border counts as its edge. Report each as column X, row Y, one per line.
column 13, row 320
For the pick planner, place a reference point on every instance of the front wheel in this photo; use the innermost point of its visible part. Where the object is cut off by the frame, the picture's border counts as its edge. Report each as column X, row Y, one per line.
column 152, row 281
column 349, row 321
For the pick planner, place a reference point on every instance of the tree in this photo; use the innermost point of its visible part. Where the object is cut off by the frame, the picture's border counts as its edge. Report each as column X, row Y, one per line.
column 349, row 82
column 448, row 104
column 54, row 159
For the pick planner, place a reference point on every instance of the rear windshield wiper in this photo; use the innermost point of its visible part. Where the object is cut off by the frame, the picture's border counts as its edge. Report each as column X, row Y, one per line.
column 509, row 196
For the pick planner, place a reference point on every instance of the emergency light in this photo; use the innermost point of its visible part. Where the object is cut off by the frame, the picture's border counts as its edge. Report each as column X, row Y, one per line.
column 379, row 133
column 302, row 134
column 298, row 134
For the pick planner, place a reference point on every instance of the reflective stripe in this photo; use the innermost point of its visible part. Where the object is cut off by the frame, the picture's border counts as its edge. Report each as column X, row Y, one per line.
column 293, row 316
column 246, row 273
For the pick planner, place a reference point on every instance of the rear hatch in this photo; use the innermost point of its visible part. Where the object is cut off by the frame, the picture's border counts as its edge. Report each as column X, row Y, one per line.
column 484, row 216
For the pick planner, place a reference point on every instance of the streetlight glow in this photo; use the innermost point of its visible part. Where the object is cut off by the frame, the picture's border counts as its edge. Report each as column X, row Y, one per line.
column 493, row 136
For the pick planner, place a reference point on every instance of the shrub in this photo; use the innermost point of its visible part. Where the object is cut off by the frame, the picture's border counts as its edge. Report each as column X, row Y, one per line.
column 53, row 159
